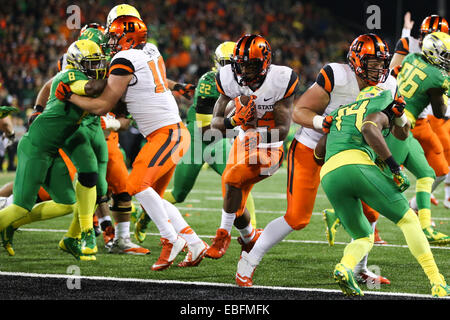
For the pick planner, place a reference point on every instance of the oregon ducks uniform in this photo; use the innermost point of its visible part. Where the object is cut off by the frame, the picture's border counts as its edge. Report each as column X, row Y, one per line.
column 350, row 174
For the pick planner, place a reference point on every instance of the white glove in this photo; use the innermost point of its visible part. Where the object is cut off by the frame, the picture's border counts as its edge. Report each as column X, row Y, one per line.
column 109, row 123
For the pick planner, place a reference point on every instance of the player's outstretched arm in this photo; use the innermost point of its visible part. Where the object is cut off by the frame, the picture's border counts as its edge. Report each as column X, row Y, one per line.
column 308, row 109
column 115, row 88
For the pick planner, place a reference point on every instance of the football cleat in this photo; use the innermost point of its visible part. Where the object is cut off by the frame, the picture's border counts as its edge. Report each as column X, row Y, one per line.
column 141, row 227
column 435, row 237
column 7, row 237
column 88, row 242
column 447, row 203
column 249, row 246
column 108, row 236
column 245, row 270
column 440, row 290
column 346, row 281
column 73, row 246
column 125, row 246
column 377, row 238
column 168, row 253
column 135, row 213
column 219, row 245
column 369, row 277
column 433, row 200
column 331, row 223
column 195, row 254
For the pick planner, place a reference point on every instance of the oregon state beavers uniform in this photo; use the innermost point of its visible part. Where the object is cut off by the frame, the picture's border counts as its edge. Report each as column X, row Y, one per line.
column 246, row 167
column 339, row 81
column 153, row 107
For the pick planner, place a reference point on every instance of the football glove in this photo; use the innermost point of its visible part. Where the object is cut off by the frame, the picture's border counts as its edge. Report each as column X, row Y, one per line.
column 244, row 113
column 109, row 122
column 186, row 90
column 398, row 107
column 6, row 111
column 326, row 124
column 396, row 70
column 63, row 91
column 8, row 139
column 401, row 180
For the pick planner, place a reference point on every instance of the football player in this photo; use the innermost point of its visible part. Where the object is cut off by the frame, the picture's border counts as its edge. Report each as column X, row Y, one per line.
column 212, row 151
column 432, row 133
column 39, row 160
column 350, row 175
column 263, row 123
column 336, row 84
column 153, row 107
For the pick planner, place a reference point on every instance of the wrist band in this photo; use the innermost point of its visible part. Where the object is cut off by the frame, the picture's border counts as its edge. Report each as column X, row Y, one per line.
column 38, row 108
column 316, row 156
column 393, row 165
column 317, row 122
column 401, row 121
column 228, row 123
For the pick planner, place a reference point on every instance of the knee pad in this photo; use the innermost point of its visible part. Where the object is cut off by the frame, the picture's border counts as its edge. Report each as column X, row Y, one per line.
column 118, row 199
column 88, row 179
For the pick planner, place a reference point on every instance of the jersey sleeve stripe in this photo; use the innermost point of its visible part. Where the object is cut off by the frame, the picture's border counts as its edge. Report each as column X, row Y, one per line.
column 120, row 69
column 326, row 78
column 219, row 84
column 402, row 46
column 293, row 82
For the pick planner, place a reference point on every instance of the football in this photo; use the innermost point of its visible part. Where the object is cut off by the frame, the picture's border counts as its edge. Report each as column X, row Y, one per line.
column 231, row 106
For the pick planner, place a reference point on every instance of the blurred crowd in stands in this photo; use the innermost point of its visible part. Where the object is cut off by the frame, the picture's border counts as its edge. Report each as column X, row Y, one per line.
column 34, row 34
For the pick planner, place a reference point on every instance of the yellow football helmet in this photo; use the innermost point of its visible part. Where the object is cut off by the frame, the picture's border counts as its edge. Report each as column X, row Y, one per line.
column 121, row 10
column 369, row 92
column 436, row 49
column 223, row 53
column 87, row 56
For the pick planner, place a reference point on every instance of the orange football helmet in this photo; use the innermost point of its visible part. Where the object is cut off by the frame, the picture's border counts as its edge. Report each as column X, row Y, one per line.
column 251, row 59
column 433, row 23
column 365, row 49
column 126, row 32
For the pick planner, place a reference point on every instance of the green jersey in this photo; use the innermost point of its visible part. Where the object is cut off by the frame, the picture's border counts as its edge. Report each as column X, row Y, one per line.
column 205, row 96
column 60, row 119
column 345, row 131
column 417, row 76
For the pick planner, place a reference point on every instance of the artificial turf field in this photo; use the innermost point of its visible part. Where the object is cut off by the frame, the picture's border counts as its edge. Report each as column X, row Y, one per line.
column 302, row 263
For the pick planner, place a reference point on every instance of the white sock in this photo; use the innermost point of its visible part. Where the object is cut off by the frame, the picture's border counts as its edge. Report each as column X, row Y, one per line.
column 227, row 221
column 180, row 225
column 154, row 206
column 122, row 230
column 413, row 203
column 9, row 200
column 273, row 233
column 102, row 219
column 247, row 233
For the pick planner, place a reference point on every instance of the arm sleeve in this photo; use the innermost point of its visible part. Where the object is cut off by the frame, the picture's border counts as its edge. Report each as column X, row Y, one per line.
column 293, row 86
column 325, row 78
column 121, row 67
column 219, row 84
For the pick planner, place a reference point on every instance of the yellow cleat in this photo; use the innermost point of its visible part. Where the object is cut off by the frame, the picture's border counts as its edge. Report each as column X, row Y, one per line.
column 435, row 237
column 440, row 290
column 73, row 246
column 141, row 227
column 331, row 223
column 346, row 281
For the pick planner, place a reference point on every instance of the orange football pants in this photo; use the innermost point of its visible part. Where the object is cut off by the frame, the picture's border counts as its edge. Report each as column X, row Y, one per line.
column 156, row 162
column 432, row 146
column 42, row 194
column 246, row 167
column 442, row 129
column 303, row 179
column 116, row 170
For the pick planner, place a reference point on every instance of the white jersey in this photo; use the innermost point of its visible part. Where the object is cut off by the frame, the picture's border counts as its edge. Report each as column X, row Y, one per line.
column 343, row 89
column 148, row 98
column 280, row 83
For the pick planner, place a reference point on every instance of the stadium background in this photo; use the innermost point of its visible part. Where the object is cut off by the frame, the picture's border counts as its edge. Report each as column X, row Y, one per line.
column 304, row 35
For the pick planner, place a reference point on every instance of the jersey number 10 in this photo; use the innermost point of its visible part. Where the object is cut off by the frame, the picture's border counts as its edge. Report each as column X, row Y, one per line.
column 158, row 70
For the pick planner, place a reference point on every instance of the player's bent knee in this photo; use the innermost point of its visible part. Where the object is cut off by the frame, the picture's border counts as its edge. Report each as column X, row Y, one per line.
column 88, row 179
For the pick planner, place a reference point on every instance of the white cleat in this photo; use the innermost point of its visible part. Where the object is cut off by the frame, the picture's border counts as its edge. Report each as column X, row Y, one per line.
column 195, row 255
column 245, row 269
column 168, row 253
column 125, row 246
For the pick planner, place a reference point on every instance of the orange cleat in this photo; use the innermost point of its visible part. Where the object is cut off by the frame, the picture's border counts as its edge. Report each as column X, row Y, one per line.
column 168, row 253
column 249, row 246
column 219, row 244
column 378, row 239
column 370, row 277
